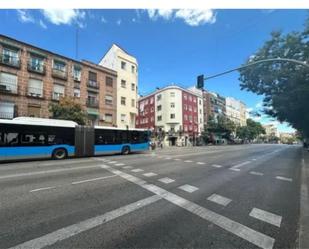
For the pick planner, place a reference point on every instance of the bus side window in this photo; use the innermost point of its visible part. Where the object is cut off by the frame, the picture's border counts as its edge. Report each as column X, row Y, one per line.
column 11, row 139
column 53, row 139
column 32, row 139
column 2, row 141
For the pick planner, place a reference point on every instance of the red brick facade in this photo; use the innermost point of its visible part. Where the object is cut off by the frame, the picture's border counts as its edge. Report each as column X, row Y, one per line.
column 146, row 113
column 28, row 104
column 189, row 112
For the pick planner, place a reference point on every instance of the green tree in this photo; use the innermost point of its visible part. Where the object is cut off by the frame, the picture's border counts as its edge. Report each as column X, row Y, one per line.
column 68, row 109
column 251, row 131
column 221, row 126
column 284, row 85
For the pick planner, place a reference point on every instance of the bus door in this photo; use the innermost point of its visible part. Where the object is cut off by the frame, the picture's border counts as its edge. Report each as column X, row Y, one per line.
column 84, row 141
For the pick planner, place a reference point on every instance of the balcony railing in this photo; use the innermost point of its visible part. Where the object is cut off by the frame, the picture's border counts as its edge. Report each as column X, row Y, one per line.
column 93, row 84
column 8, row 60
column 6, row 115
column 8, row 88
column 57, row 96
column 35, row 92
column 92, row 103
column 62, row 74
column 36, row 68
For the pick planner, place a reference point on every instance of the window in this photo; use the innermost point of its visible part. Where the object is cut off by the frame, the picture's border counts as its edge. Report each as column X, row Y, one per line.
column 123, row 117
column 152, row 109
column 185, row 107
column 200, row 102
column 186, row 128
column 159, row 97
column 146, row 102
column 151, row 119
column 8, row 82
column 35, row 138
column 132, row 102
column 123, row 101
column 108, row 117
column 133, row 87
column 35, row 88
column 194, row 109
column 36, row 64
column 172, row 116
column 10, row 56
column 76, row 93
column 159, row 108
column 172, row 94
column 123, row 84
column 172, row 105
column 123, row 65
column 109, row 81
column 185, row 96
column 159, row 118
column 77, row 72
column 6, row 110
column 92, row 99
column 58, row 91
column 194, row 100
column 190, row 98
column 190, row 108
column 151, row 100
column 186, row 117
column 108, row 100
column 59, row 66
column 133, row 69
column 190, row 118
column 34, row 111
column 200, row 111
column 92, row 79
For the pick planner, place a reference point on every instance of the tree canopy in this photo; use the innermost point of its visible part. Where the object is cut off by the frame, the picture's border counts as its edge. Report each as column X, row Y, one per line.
column 68, row 109
column 251, row 131
column 284, row 85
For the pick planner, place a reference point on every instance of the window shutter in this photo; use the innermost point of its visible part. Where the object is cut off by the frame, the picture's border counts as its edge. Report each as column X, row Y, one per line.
column 35, row 86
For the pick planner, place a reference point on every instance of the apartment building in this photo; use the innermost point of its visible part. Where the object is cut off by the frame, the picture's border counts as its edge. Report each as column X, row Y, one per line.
column 32, row 78
column 236, row 111
column 127, row 83
column 173, row 110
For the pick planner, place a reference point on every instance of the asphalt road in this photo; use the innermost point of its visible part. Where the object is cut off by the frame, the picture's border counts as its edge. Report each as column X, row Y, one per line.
column 245, row 196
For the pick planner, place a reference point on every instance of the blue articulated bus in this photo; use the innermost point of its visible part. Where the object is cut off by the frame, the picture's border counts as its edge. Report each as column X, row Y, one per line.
column 29, row 138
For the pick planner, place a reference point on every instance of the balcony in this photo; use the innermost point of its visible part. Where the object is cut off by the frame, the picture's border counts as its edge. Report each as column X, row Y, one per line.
column 57, row 96
column 60, row 74
column 8, row 88
column 93, row 84
column 92, row 103
column 12, row 61
column 36, row 68
column 35, row 92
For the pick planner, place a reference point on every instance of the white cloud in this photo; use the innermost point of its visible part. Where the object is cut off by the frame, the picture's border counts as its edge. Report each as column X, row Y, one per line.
column 24, row 16
column 259, row 104
column 192, row 17
column 249, row 109
column 42, row 24
column 119, row 21
column 196, row 17
column 64, row 16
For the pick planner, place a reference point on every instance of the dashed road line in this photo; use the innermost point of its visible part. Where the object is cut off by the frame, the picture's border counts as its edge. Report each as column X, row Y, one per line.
column 200, row 163
column 256, row 173
column 257, row 238
column 177, row 159
column 150, row 174
column 69, row 231
column 119, row 164
column 221, row 200
column 167, row 158
column 39, row 189
column 188, row 188
column 240, row 165
column 93, row 179
column 216, row 166
column 127, row 167
column 284, row 178
column 266, row 216
column 112, row 162
column 166, row 180
column 234, row 169
column 188, row 161
column 137, row 170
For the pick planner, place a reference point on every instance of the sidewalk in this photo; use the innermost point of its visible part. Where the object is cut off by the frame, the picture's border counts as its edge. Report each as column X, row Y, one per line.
column 303, row 242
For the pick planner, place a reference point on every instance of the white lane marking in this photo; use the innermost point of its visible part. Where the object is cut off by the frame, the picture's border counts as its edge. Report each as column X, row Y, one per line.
column 188, row 188
column 93, row 179
column 46, row 172
column 284, row 178
column 167, row 158
column 137, row 170
column 266, row 216
column 216, row 166
column 234, row 169
column 69, row 231
column 112, row 162
column 150, row 174
column 221, row 200
column 256, row 173
column 254, row 159
column 119, row 164
column 240, row 165
column 166, row 180
column 39, row 189
column 127, row 167
column 242, row 231
column 177, row 159
column 200, row 163
column 188, row 161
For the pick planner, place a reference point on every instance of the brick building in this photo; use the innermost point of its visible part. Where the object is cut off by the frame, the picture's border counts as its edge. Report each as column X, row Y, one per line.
column 31, row 78
column 176, row 111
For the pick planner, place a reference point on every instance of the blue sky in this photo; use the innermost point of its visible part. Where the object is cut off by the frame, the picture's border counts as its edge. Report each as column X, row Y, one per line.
column 172, row 46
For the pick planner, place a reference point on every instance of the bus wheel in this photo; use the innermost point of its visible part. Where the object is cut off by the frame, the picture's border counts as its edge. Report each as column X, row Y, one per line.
column 125, row 150
column 59, row 154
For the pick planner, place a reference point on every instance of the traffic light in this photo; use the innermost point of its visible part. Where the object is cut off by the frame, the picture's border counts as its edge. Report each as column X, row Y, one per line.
column 200, row 82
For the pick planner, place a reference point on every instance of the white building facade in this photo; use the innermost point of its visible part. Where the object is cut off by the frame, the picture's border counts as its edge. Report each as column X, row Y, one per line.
column 236, row 111
column 127, row 84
